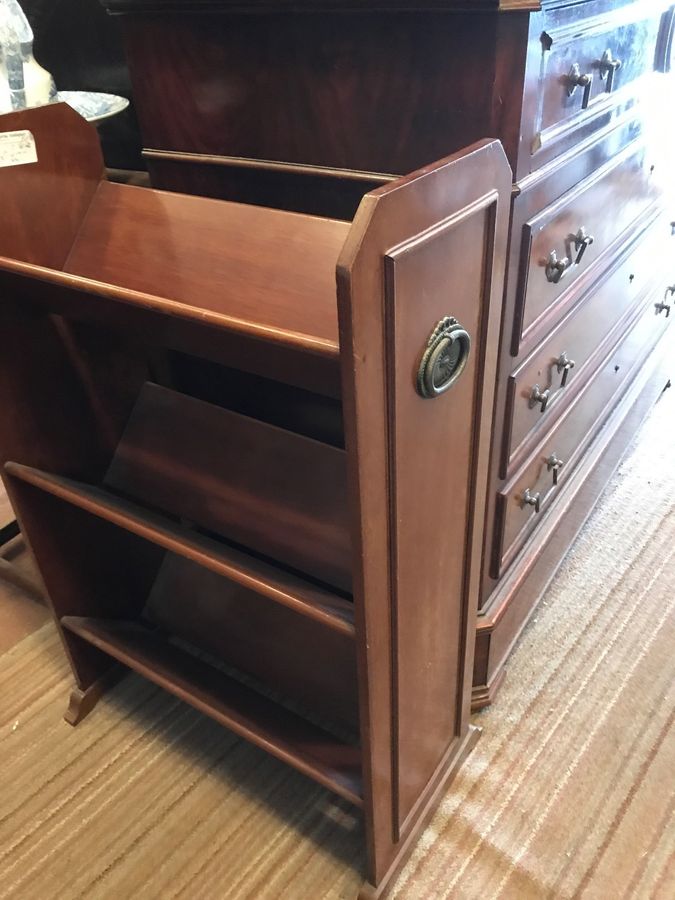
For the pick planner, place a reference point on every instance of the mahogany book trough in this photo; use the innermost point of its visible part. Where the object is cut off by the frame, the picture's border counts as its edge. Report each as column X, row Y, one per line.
column 249, row 449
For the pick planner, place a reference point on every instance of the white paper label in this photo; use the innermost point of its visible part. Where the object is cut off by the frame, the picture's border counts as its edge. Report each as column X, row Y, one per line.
column 17, row 148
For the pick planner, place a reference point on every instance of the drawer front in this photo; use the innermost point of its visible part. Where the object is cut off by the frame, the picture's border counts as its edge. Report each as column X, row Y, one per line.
column 585, row 64
column 541, row 478
column 567, row 237
column 555, row 369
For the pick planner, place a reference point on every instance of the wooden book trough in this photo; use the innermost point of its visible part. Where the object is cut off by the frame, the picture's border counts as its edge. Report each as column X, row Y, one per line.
column 249, row 447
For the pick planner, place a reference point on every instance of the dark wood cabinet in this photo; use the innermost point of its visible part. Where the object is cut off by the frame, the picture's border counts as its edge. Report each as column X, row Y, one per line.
column 349, row 379
column 305, row 106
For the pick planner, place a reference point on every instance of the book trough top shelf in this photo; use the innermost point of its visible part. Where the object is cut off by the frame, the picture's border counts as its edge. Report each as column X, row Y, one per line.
column 253, row 271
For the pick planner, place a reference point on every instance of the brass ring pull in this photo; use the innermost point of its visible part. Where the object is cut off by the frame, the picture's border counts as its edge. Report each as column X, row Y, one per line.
column 444, row 358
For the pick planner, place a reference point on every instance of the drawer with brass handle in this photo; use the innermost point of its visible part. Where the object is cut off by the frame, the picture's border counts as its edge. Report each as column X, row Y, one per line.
column 576, row 245
column 566, row 238
column 523, row 500
column 585, row 64
column 560, row 363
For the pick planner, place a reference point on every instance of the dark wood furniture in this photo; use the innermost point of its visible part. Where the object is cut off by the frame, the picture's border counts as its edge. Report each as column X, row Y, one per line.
column 240, row 442
column 82, row 47
column 305, row 105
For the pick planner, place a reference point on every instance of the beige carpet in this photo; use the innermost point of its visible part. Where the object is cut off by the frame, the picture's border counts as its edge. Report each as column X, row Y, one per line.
column 569, row 793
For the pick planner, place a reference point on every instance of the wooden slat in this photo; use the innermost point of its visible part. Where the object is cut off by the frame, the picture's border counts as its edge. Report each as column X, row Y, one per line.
column 309, row 600
column 296, row 655
column 279, row 494
column 44, row 202
column 267, row 272
column 257, row 719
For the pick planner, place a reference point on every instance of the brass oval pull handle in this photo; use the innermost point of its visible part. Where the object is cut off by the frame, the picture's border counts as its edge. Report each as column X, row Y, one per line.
column 444, row 359
column 554, row 464
column 532, row 499
column 576, row 79
column 540, row 397
column 607, row 67
column 564, row 365
column 582, row 241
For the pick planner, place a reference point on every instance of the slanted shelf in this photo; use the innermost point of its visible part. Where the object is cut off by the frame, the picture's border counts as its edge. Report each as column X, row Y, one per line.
column 309, row 599
column 261, row 721
column 184, row 466
column 271, row 274
column 269, row 490
column 278, row 494
column 179, row 267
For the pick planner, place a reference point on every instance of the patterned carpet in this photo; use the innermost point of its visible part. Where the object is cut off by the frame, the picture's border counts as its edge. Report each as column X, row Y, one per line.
column 570, row 792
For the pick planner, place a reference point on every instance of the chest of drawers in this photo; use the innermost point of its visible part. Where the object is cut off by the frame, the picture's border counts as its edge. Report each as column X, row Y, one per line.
column 306, row 106
column 311, row 449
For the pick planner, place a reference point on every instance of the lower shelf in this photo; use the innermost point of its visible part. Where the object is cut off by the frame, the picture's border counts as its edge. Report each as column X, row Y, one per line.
column 317, row 603
column 259, row 720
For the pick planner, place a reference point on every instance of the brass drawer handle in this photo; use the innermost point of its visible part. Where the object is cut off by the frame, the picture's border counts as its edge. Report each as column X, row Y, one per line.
column 564, row 365
column 554, row 464
column 581, row 241
column 575, row 79
column 444, row 358
column 540, row 397
column 662, row 306
column 530, row 499
column 608, row 66
column 557, row 268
